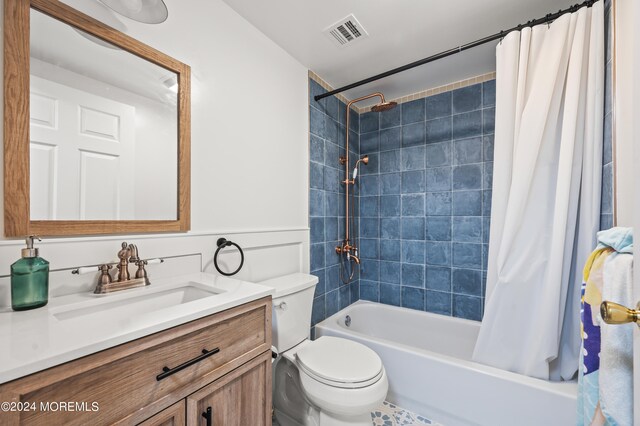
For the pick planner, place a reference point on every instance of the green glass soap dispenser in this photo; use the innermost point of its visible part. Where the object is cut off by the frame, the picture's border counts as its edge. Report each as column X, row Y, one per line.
column 29, row 279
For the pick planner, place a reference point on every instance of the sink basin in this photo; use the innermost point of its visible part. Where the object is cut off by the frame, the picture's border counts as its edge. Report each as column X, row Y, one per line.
column 129, row 305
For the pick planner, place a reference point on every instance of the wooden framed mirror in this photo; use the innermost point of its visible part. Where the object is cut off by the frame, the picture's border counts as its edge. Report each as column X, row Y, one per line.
column 96, row 127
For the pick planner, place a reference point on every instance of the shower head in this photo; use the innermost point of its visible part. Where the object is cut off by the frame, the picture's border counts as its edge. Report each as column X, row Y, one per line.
column 384, row 106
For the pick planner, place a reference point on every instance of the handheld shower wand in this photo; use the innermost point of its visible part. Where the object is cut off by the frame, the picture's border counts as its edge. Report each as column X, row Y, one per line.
column 364, row 160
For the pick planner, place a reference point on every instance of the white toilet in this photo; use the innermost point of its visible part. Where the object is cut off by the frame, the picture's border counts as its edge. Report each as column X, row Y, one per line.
column 326, row 382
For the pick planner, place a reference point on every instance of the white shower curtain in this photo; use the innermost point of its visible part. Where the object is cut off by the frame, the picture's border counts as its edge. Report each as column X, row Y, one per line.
column 546, row 193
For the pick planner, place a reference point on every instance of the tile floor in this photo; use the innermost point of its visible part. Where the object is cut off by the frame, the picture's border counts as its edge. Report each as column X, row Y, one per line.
column 389, row 414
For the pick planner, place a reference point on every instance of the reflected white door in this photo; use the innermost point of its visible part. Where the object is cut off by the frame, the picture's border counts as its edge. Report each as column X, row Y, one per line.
column 80, row 145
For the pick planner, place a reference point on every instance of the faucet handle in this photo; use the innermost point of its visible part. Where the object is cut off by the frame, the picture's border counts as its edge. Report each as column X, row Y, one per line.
column 105, row 277
column 141, row 272
column 123, row 254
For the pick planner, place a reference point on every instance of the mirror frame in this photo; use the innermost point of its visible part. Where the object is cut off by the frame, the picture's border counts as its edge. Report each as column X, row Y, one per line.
column 17, row 221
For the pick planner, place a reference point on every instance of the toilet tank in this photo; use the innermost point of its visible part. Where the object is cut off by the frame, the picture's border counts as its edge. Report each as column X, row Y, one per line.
column 291, row 312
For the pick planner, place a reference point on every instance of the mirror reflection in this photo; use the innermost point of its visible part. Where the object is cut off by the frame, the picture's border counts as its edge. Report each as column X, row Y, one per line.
column 103, row 129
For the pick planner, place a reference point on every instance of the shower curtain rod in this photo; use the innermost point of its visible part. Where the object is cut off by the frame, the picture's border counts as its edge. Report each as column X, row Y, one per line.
column 550, row 17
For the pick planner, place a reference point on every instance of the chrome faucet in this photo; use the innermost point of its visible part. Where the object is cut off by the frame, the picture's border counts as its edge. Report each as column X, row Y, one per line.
column 127, row 254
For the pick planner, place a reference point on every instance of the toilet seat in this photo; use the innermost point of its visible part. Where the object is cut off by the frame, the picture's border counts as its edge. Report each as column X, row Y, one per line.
column 340, row 363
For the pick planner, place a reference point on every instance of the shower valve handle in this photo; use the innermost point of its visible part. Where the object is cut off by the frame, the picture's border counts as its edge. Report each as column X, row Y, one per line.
column 345, row 249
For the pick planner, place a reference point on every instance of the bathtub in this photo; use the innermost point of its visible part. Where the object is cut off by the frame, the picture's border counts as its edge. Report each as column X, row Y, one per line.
column 428, row 361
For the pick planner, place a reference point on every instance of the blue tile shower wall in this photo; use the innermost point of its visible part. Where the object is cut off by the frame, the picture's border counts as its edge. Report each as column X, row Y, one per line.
column 425, row 202
column 424, row 198
column 327, row 119
column 606, row 207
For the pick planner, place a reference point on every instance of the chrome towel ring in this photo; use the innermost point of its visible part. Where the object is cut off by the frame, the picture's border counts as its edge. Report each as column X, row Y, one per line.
column 222, row 243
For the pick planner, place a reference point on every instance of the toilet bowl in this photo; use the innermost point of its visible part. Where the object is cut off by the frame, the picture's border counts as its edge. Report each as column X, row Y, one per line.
column 326, row 382
column 345, row 379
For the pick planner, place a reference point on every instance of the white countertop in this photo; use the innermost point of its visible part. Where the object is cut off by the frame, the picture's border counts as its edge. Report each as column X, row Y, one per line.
column 34, row 340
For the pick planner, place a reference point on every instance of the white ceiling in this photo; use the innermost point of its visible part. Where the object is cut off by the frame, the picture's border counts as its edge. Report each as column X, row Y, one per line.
column 400, row 32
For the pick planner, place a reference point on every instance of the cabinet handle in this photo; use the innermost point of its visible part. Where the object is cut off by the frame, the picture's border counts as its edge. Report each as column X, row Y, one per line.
column 207, row 416
column 166, row 371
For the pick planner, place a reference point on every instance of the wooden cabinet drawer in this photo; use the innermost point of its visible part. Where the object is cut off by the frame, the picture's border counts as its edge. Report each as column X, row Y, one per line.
column 123, row 380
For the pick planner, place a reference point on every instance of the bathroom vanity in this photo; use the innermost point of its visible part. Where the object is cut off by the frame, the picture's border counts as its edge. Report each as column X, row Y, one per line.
column 190, row 357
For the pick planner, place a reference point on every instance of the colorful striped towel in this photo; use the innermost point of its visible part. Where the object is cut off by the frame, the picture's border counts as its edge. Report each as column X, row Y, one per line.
column 589, row 412
column 607, row 272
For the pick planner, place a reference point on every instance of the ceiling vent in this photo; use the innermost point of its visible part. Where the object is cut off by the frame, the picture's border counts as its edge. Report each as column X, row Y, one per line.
column 346, row 31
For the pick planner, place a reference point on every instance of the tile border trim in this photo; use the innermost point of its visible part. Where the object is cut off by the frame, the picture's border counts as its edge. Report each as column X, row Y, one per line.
column 411, row 97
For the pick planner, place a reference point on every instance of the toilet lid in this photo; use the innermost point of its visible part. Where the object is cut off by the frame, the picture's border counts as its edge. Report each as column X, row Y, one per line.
column 340, row 362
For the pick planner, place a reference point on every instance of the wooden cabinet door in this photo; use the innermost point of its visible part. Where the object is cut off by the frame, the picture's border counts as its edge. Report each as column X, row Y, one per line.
column 171, row 416
column 242, row 397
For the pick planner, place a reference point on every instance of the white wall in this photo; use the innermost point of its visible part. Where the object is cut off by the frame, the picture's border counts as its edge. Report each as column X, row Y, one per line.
column 625, row 77
column 636, row 193
column 249, row 147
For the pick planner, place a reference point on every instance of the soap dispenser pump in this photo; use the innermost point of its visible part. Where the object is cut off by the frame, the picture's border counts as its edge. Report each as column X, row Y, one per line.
column 29, row 279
